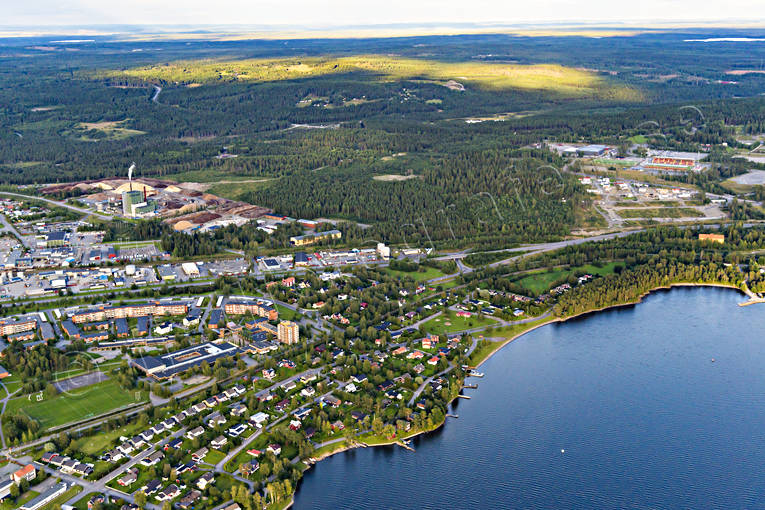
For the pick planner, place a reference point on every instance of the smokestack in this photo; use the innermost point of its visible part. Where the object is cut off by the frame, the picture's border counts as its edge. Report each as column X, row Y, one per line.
column 130, row 175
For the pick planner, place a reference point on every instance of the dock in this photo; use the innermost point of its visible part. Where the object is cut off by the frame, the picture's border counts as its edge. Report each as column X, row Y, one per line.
column 452, row 415
column 464, row 396
column 404, row 445
column 471, row 386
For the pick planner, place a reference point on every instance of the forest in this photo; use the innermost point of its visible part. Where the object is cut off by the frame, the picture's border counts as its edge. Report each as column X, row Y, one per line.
column 376, row 139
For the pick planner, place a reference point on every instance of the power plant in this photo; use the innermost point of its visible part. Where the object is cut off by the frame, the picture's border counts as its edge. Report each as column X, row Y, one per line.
column 135, row 203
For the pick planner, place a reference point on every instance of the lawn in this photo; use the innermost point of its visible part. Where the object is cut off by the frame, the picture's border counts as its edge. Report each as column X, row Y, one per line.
column 214, row 456
column 92, row 445
column 286, row 314
column 418, row 276
column 541, row 281
column 82, row 404
column 438, row 325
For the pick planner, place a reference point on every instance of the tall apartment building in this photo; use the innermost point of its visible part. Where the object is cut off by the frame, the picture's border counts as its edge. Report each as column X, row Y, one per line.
column 288, row 332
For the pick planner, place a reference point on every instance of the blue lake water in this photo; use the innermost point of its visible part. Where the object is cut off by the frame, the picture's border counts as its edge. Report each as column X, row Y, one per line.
column 646, row 418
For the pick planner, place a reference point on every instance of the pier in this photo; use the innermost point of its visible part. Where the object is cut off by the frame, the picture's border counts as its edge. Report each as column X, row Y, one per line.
column 463, row 396
column 404, row 445
column 471, row 386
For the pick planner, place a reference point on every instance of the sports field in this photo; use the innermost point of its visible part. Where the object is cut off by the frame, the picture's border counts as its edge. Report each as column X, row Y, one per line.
column 76, row 405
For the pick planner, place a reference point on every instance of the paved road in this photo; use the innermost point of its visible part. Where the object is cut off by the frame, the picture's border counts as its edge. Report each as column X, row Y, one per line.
column 7, row 226
column 60, row 204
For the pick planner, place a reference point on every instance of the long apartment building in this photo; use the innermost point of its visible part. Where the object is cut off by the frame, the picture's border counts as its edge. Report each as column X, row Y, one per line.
column 259, row 308
column 137, row 310
column 10, row 327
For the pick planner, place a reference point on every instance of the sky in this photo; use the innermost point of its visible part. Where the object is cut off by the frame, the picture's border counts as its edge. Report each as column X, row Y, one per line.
column 329, row 13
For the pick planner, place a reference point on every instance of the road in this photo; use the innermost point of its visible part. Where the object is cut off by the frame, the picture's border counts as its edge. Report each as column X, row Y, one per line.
column 155, row 96
column 58, row 203
column 7, row 226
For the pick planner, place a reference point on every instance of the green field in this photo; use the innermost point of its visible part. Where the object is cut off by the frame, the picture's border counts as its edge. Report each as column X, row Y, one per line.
column 285, row 313
column 541, row 281
column 438, row 326
column 660, row 212
column 428, row 274
column 638, row 139
column 96, row 444
column 82, row 404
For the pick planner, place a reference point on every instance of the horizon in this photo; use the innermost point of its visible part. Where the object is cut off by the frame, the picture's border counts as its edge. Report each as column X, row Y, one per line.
column 347, row 14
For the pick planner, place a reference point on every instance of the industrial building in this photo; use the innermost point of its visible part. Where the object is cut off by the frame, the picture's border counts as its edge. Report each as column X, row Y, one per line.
column 168, row 365
column 315, row 237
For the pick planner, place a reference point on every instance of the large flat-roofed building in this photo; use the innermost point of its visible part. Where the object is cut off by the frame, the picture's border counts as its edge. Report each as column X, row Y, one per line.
column 315, row 237
column 130, row 199
column 168, row 365
column 592, row 150
column 716, row 238
column 10, row 327
column 288, row 332
column 259, row 308
column 45, row 497
column 55, row 238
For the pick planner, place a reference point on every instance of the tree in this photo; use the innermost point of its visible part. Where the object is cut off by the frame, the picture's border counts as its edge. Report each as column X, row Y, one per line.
column 50, row 391
column 140, row 499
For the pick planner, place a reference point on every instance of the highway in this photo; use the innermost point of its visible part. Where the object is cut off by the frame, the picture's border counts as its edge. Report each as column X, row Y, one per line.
column 58, row 203
column 8, row 227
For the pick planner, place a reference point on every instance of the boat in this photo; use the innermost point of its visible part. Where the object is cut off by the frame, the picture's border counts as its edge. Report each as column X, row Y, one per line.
column 476, row 374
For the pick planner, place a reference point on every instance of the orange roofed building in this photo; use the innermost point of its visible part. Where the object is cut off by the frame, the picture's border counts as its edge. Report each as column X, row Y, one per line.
column 717, row 238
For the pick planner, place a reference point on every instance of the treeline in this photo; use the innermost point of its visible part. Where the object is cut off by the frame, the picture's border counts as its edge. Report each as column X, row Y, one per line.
column 630, row 285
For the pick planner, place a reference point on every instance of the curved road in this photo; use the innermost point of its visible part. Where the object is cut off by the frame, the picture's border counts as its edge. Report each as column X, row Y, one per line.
column 60, row 204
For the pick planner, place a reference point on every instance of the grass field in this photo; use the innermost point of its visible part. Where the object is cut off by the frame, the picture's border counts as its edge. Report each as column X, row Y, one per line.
column 556, row 79
column 438, row 325
column 428, row 274
column 285, row 313
column 79, row 405
column 660, row 212
column 97, row 443
column 541, row 281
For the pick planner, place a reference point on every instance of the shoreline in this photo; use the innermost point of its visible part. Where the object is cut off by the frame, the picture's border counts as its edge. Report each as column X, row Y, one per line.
column 502, row 344
column 636, row 301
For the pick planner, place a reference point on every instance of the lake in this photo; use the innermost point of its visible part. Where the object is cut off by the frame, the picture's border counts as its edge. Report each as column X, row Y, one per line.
column 647, row 420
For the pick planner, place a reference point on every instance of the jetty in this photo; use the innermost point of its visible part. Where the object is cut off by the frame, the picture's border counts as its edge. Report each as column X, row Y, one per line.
column 402, row 444
column 464, row 396
column 753, row 297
